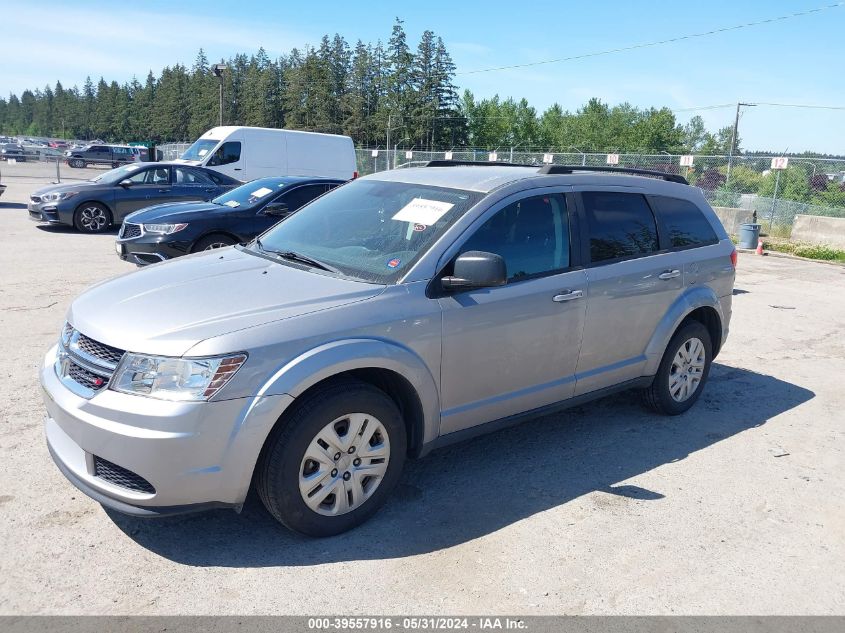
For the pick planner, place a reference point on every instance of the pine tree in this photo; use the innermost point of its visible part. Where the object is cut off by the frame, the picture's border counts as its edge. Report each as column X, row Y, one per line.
column 204, row 106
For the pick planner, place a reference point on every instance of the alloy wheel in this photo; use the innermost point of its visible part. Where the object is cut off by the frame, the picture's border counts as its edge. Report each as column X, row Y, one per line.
column 93, row 219
column 344, row 464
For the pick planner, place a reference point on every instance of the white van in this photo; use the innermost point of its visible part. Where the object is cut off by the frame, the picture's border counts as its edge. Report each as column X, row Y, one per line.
column 247, row 153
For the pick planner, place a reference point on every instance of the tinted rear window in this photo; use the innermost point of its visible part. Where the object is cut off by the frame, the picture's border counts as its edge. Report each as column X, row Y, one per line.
column 685, row 223
column 621, row 225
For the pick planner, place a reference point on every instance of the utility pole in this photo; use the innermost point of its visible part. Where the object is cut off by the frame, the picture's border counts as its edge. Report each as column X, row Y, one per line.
column 735, row 140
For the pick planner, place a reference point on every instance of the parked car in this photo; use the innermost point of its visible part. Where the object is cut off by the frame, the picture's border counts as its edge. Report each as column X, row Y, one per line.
column 399, row 313
column 166, row 231
column 58, row 144
column 94, row 205
column 12, row 151
column 113, row 155
column 248, row 153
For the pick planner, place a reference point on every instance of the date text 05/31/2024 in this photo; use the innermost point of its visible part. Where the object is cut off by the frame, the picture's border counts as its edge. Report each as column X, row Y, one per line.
column 417, row 623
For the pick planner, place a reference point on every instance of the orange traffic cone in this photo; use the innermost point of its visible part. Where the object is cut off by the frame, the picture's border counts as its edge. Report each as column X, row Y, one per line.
column 760, row 246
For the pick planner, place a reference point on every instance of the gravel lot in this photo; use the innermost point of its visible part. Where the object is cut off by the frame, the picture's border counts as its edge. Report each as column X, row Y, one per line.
column 737, row 507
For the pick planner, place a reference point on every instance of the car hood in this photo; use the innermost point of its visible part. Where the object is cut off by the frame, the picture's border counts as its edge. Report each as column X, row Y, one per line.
column 168, row 308
column 171, row 211
column 70, row 186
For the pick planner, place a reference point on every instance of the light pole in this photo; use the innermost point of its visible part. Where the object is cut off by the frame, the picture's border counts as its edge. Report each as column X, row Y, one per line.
column 735, row 140
column 218, row 72
column 396, row 149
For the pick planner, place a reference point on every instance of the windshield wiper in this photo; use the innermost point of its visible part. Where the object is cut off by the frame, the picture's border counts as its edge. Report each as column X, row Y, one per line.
column 298, row 257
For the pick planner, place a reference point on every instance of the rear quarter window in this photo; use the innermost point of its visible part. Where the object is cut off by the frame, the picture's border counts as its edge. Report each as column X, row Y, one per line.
column 620, row 225
column 685, row 223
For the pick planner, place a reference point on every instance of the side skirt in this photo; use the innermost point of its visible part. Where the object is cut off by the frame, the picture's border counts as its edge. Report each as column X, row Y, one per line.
column 513, row 420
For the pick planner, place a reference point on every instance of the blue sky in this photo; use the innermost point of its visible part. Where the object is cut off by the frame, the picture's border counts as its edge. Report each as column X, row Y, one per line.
column 792, row 61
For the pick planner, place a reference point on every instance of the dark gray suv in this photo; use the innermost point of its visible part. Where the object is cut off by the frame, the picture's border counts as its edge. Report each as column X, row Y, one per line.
column 110, row 155
column 401, row 312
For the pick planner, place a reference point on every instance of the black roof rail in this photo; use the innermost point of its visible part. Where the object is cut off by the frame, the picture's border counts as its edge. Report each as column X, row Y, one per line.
column 473, row 163
column 568, row 169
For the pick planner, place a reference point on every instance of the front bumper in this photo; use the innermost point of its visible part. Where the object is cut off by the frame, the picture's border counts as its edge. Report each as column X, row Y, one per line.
column 196, row 455
column 49, row 212
column 150, row 249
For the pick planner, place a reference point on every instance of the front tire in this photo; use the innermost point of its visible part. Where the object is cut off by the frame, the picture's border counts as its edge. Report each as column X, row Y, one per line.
column 211, row 242
column 334, row 460
column 683, row 371
column 92, row 217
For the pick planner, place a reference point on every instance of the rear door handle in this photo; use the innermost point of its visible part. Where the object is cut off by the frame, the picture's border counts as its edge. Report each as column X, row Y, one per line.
column 163, row 190
column 669, row 274
column 568, row 295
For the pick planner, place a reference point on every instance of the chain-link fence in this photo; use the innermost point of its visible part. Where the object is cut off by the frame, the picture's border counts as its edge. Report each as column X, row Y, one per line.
column 809, row 186
column 172, row 151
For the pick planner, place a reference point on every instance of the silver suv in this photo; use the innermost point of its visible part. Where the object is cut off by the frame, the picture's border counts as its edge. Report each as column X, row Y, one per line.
column 398, row 313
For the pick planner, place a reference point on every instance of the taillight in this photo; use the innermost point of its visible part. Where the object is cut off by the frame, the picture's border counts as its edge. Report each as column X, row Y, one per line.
column 733, row 258
column 354, row 174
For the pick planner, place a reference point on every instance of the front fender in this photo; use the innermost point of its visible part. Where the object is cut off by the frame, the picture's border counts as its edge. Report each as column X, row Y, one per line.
column 330, row 359
column 692, row 299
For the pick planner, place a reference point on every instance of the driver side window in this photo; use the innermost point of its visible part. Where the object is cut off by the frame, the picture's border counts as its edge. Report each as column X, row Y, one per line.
column 227, row 153
column 531, row 235
column 154, row 176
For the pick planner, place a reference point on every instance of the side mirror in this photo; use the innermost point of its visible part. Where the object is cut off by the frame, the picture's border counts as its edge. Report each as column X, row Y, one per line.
column 125, row 183
column 277, row 209
column 477, row 269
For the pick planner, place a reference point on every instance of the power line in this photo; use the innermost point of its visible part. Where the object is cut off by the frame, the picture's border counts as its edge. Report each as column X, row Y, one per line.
column 800, row 105
column 671, row 40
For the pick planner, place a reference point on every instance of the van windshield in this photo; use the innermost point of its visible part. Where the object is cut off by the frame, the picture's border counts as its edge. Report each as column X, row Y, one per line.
column 369, row 229
column 200, row 149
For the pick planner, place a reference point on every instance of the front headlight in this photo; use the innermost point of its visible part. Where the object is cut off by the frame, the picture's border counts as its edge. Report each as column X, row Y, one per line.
column 59, row 195
column 163, row 229
column 175, row 378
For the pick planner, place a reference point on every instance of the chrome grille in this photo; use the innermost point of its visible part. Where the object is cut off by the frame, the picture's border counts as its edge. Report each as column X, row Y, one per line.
column 101, row 351
column 128, row 231
column 120, row 476
column 84, row 365
column 35, row 198
column 86, row 378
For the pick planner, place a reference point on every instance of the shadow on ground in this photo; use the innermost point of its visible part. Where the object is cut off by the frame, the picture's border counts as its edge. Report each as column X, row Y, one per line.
column 471, row 489
column 66, row 228
column 12, row 205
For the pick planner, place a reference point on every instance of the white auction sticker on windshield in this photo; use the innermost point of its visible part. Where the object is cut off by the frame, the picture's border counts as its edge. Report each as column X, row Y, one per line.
column 422, row 211
column 260, row 193
column 203, row 152
column 232, row 203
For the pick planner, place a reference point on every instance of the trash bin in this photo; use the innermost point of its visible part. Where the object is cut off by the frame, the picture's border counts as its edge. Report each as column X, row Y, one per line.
column 749, row 235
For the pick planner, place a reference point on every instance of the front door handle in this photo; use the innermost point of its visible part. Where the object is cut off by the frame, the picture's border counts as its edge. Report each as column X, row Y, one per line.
column 669, row 274
column 568, row 295
column 163, row 190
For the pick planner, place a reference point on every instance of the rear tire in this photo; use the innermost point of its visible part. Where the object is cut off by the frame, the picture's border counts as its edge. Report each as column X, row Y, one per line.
column 683, row 371
column 336, row 490
column 92, row 217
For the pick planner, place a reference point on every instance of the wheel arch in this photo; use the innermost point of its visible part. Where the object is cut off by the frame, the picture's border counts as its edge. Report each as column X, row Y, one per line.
column 394, row 369
column 698, row 304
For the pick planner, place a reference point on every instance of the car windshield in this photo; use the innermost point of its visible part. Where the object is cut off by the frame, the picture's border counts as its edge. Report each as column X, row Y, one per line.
column 250, row 194
column 369, row 229
column 199, row 149
column 114, row 176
